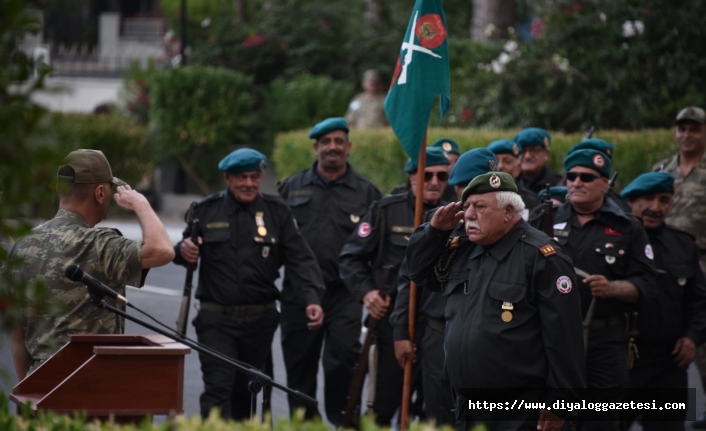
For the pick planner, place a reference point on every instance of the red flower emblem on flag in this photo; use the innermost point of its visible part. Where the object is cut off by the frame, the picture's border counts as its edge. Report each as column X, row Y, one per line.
column 430, row 30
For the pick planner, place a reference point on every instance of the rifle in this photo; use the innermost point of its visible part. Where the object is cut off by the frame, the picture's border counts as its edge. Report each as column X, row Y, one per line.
column 589, row 315
column 611, row 183
column 548, row 213
column 632, row 347
column 267, row 390
column 186, row 299
column 351, row 417
column 589, row 133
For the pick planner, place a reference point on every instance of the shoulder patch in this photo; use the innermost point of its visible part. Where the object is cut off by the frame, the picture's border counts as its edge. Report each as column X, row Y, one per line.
column 547, row 250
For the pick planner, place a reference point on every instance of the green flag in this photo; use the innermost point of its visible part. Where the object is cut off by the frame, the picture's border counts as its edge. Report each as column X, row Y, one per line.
column 422, row 72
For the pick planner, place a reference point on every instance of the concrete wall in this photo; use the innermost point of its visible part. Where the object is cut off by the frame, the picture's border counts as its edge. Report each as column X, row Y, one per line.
column 78, row 94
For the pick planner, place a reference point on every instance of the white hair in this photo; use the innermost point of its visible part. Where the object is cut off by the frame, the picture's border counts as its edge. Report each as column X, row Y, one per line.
column 510, row 198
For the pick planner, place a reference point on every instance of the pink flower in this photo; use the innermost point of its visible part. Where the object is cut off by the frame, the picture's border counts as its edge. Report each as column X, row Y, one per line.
column 537, row 27
column 465, row 115
column 254, row 40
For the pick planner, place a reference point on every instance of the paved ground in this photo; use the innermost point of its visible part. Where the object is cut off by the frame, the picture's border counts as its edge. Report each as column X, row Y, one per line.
column 161, row 298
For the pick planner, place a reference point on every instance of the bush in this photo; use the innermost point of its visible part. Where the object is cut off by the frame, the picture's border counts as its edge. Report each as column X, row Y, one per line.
column 378, row 155
column 198, row 115
column 305, row 100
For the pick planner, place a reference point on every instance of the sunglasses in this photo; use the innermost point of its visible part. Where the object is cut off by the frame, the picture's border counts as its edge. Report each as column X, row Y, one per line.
column 584, row 176
column 442, row 176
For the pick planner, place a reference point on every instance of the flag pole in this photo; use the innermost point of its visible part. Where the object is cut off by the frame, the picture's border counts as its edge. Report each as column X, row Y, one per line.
column 418, row 211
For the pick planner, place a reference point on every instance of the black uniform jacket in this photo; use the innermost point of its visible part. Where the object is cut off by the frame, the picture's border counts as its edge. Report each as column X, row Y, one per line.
column 680, row 306
column 539, row 181
column 380, row 240
column 542, row 344
column 327, row 212
column 239, row 262
column 614, row 245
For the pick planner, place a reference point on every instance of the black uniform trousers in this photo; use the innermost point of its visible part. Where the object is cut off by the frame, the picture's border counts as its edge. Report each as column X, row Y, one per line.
column 606, row 368
column 390, row 376
column 301, row 348
column 658, row 371
column 247, row 339
column 438, row 397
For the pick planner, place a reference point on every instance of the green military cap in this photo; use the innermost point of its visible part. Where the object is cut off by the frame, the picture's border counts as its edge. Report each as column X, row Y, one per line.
column 490, row 182
column 533, row 137
column 691, row 113
column 435, row 157
column 243, row 160
column 649, row 183
column 448, row 145
column 556, row 192
column 505, row 146
column 471, row 164
column 89, row 167
column 593, row 159
column 327, row 126
column 604, row 147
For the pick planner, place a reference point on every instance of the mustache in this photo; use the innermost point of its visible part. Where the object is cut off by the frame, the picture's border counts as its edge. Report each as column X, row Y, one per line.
column 471, row 224
column 655, row 214
column 433, row 189
column 247, row 189
column 576, row 190
column 333, row 152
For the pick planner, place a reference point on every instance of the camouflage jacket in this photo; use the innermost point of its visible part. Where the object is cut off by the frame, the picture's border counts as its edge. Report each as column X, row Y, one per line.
column 689, row 207
column 45, row 252
column 365, row 113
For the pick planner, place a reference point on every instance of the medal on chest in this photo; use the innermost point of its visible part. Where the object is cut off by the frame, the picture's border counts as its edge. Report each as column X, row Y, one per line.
column 507, row 311
column 260, row 220
column 355, row 218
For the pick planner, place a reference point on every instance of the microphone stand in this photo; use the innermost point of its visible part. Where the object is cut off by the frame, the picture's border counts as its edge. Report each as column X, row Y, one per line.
column 257, row 378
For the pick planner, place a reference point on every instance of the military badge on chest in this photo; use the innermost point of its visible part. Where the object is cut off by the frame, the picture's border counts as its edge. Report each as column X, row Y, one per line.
column 262, row 231
column 507, row 311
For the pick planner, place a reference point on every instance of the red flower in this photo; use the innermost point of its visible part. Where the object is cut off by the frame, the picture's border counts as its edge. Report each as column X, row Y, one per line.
column 537, row 27
column 576, row 6
column 254, row 40
column 465, row 115
column 325, row 25
column 646, row 9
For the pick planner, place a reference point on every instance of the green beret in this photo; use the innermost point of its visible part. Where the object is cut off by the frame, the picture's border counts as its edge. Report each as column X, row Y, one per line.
column 647, row 184
column 604, row 147
column 471, row 164
column 556, row 192
column 243, row 160
column 505, row 146
column 593, row 159
column 448, row 145
column 490, row 182
column 327, row 126
column 533, row 137
column 435, row 157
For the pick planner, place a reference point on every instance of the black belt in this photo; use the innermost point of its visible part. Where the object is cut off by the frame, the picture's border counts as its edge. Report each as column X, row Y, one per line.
column 599, row 324
column 238, row 310
column 437, row 325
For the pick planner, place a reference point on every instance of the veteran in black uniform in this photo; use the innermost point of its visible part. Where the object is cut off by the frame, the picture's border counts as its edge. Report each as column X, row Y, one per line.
column 674, row 325
column 327, row 200
column 430, row 320
column 381, row 240
column 612, row 248
column 508, row 154
column 513, row 315
column 452, row 153
column 534, row 143
column 246, row 237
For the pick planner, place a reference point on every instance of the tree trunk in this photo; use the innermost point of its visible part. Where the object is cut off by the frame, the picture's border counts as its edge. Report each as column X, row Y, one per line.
column 241, row 11
column 186, row 166
column 492, row 14
column 373, row 9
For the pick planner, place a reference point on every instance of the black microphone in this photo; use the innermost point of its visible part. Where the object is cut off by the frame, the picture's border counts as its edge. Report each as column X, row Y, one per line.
column 75, row 273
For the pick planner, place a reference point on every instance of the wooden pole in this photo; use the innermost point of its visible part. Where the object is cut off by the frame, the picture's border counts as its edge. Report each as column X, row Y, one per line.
column 418, row 211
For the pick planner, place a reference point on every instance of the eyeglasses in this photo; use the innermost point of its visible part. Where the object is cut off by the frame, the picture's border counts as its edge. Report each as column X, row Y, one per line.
column 442, row 176
column 584, row 176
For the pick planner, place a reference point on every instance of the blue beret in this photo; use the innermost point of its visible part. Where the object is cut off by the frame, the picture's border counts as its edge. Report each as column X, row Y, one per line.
column 649, row 183
column 243, row 160
column 448, row 145
column 505, row 146
column 604, row 147
column 533, row 137
column 471, row 164
column 327, row 126
column 596, row 160
column 556, row 192
column 435, row 157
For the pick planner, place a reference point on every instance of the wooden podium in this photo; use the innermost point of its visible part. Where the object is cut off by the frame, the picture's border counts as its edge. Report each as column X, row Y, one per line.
column 125, row 376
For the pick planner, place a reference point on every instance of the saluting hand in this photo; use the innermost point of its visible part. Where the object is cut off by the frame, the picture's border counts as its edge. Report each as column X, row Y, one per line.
column 685, row 351
column 316, row 316
column 448, row 217
column 376, row 305
column 128, row 199
column 189, row 250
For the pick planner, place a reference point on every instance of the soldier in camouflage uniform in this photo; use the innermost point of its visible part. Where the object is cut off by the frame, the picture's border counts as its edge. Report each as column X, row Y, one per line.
column 688, row 211
column 366, row 110
column 84, row 189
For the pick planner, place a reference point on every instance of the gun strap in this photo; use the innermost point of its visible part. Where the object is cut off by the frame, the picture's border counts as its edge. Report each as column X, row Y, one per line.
column 380, row 221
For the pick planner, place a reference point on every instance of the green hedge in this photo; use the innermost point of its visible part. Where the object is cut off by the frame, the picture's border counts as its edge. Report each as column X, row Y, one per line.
column 378, row 155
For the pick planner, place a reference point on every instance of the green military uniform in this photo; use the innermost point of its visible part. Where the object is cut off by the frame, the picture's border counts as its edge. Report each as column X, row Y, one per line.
column 365, row 112
column 46, row 251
